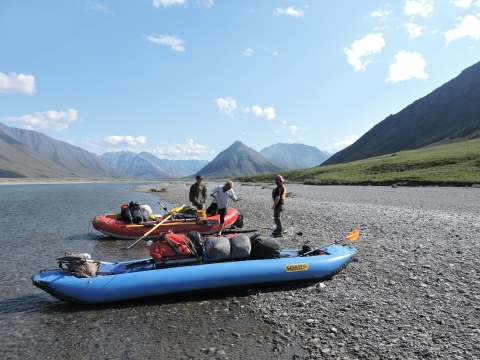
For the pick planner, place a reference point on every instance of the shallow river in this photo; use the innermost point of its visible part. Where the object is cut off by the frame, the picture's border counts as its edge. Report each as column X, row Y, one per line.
column 40, row 223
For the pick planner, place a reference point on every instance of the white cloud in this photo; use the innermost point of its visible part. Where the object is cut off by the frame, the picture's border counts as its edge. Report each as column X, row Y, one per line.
column 370, row 44
column 414, row 30
column 463, row 3
column 99, row 8
column 117, row 142
column 167, row 3
column 243, row 133
column 276, row 131
column 407, row 66
column 298, row 13
column 380, row 14
column 265, row 113
column 45, row 121
column 418, row 7
column 284, row 122
column 248, row 52
column 206, row 3
column 189, row 149
column 17, row 83
column 294, row 129
column 226, row 106
column 300, row 138
column 349, row 140
column 245, row 109
column 174, row 42
column 469, row 26
column 71, row 142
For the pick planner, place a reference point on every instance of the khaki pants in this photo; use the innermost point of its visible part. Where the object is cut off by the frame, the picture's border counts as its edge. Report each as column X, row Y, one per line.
column 277, row 217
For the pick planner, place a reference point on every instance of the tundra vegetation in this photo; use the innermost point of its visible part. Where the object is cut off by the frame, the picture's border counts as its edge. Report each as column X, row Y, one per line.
column 456, row 164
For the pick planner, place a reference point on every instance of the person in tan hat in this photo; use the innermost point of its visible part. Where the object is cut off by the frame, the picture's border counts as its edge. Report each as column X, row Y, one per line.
column 220, row 195
column 278, row 195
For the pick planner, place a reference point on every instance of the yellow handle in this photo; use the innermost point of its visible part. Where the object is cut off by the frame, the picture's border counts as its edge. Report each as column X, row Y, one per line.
column 148, row 232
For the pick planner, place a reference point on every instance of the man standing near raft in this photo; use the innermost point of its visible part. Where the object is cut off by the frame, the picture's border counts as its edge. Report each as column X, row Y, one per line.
column 198, row 193
column 220, row 195
column 278, row 195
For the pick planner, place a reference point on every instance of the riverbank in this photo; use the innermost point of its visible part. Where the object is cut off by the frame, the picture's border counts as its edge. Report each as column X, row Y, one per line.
column 55, row 181
column 412, row 290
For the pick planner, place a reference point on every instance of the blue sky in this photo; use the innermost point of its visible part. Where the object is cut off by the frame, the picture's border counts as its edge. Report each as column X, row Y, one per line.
column 184, row 79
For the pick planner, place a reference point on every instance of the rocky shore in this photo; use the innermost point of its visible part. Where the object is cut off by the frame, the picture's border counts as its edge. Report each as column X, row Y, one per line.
column 413, row 289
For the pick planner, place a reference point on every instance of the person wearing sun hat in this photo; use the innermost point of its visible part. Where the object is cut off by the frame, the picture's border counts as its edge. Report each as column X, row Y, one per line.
column 278, row 195
column 220, row 196
column 198, row 193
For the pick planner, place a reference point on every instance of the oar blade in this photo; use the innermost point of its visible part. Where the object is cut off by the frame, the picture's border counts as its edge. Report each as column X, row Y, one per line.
column 353, row 235
column 163, row 206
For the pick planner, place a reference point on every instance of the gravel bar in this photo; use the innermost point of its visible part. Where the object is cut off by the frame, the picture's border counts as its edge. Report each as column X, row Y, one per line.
column 412, row 291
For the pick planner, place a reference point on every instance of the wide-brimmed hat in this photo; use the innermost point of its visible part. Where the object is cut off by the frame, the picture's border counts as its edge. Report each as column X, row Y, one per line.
column 199, row 177
column 280, row 178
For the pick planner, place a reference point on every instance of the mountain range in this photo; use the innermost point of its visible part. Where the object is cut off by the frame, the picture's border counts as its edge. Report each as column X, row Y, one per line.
column 31, row 154
column 451, row 113
column 294, row 156
column 146, row 165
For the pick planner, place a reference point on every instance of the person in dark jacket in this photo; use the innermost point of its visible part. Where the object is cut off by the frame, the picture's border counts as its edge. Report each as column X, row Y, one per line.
column 278, row 195
column 198, row 193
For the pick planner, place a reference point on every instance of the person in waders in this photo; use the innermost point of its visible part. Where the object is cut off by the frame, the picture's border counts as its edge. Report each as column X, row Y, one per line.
column 278, row 195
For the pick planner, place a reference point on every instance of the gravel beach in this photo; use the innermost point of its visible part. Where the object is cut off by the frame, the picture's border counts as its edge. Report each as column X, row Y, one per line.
column 413, row 289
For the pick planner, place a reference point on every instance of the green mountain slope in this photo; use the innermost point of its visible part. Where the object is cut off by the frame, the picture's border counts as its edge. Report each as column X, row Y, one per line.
column 448, row 110
column 455, row 164
column 30, row 154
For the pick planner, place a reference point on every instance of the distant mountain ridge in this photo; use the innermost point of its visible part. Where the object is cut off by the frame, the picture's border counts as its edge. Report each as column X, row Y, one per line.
column 294, row 156
column 31, row 154
column 146, row 165
column 448, row 114
column 238, row 159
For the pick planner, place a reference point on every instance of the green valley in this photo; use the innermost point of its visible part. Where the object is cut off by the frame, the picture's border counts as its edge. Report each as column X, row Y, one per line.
column 456, row 164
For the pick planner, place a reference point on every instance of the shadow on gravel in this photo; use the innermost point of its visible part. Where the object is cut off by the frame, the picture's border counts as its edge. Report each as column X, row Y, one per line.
column 213, row 326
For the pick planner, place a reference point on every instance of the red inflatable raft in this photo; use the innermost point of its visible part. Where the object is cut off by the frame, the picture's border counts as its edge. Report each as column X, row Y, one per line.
column 112, row 225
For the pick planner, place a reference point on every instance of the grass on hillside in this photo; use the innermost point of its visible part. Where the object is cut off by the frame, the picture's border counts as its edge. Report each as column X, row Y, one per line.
column 446, row 165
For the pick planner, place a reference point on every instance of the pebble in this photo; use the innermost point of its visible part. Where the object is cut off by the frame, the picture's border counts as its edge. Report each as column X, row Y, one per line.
column 416, row 252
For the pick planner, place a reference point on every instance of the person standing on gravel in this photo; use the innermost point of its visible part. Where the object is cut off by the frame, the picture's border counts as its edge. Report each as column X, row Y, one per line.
column 198, row 193
column 220, row 195
column 278, row 195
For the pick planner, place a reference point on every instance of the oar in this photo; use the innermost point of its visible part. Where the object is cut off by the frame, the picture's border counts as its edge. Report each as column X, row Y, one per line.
column 164, row 207
column 352, row 236
column 147, row 233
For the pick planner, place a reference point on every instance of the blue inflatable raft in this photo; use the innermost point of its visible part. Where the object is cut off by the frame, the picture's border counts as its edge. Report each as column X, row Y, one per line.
column 142, row 278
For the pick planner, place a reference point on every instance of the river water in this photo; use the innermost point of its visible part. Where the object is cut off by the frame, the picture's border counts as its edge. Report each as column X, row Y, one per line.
column 38, row 224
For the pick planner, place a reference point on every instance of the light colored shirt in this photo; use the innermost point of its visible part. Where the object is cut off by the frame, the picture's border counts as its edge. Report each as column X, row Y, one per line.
column 221, row 197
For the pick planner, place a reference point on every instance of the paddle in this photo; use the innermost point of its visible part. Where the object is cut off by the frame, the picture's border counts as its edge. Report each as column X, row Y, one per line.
column 147, row 233
column 352, row 236
column 164, row 207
